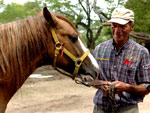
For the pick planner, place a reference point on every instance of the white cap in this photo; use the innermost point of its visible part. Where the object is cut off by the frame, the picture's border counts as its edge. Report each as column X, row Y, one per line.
column 122, row 16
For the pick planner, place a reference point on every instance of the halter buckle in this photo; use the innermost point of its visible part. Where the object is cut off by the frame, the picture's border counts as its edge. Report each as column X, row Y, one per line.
column 78, row 62
column 58, row 45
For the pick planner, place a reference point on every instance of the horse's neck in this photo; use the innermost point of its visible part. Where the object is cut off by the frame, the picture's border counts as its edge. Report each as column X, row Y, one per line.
column 3, row 101
column 2, row 108
column 36, row 62
column 6, row 92
column 13, row 79
column 12, row 85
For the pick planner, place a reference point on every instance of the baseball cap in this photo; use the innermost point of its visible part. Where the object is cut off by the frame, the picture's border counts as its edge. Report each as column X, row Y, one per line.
column 122, row 16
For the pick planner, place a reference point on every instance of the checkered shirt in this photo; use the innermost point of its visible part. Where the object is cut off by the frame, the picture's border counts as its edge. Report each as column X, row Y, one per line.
column 130, row 65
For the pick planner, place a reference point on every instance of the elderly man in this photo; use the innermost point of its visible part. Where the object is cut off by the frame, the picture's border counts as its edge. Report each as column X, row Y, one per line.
column 124, row 64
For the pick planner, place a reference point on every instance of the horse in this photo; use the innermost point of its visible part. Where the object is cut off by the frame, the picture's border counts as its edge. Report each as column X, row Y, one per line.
column 46, row 39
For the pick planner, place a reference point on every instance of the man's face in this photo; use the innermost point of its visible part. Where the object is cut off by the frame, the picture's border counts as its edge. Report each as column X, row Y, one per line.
column 120, row 32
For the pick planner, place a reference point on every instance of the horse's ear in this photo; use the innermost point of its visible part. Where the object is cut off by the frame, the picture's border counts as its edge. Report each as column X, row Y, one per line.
column 52, row 19
column 38, row 12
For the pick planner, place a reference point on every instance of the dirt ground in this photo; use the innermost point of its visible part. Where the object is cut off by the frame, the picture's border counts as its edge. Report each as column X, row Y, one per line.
column 58, row 94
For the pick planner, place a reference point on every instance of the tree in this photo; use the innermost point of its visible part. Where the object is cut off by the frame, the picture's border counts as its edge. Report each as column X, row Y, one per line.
column 86, row 15
column 142, row 14
column 11, row 12
column 16, row 11
column 30, row 7
column 1, row 3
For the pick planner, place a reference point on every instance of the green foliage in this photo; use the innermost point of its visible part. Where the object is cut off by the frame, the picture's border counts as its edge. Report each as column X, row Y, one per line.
column 16, row 11
column 30, row 7
column 88, row 20
column 105, row 35
column 80, row 12
column 65, row 7
column 1, row 3
column 12, row 12
column 142, row 14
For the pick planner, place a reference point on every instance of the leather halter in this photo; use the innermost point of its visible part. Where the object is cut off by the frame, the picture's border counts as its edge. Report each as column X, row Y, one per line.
column 58, row 47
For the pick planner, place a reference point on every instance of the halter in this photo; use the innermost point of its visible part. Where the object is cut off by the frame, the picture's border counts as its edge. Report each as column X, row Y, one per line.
column 58, row 47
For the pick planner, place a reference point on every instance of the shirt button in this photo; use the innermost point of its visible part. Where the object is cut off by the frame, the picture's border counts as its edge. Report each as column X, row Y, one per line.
column 112, row 79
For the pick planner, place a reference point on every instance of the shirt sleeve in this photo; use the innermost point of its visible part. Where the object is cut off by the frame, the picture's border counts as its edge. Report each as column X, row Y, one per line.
column 143, row 74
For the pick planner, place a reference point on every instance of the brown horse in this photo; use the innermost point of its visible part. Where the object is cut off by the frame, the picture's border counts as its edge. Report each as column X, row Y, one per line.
column 47, row 39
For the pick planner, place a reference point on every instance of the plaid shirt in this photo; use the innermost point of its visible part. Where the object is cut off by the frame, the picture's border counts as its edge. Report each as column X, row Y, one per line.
column 129, row 65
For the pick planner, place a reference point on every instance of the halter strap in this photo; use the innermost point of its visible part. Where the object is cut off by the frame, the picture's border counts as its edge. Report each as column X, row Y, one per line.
column 58, row 47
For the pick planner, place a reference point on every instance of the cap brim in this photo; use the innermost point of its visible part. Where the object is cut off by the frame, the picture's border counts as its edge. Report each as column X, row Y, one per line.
column 119, row 21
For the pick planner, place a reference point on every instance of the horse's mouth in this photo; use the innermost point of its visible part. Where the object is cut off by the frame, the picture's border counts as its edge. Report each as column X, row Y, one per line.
column 87, row 74
column 85, row 78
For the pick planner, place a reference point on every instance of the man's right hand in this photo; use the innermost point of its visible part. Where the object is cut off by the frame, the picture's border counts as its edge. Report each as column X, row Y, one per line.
column 104, row 88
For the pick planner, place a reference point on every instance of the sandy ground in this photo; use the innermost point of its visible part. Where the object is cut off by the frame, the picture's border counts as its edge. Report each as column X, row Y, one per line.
column 59, row 94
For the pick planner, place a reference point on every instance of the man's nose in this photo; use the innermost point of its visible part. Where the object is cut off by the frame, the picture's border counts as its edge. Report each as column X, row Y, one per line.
column 118, row 29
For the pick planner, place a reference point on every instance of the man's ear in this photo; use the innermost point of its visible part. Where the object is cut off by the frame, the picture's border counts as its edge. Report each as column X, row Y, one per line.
column 49, row 17
column 132, row 27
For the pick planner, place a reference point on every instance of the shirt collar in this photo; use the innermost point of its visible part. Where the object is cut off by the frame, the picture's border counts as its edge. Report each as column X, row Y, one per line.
column 124, row 46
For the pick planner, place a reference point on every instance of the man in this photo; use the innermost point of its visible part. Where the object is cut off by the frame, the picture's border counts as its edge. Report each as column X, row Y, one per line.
column 124, row 64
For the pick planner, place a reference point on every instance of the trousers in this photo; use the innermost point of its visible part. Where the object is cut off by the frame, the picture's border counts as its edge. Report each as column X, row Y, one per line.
column 127, row 109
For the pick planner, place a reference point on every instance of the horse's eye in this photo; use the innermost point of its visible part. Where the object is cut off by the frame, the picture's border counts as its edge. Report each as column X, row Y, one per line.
column 73, row 39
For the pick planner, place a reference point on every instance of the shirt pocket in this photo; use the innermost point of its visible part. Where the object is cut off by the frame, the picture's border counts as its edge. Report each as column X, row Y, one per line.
column 131, row 73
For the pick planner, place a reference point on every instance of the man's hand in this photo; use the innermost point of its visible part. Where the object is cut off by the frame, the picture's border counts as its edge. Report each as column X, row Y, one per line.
column 104, row 88
column 120, row 86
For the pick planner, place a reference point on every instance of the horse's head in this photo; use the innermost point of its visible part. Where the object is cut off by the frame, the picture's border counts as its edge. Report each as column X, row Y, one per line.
column 69, row 52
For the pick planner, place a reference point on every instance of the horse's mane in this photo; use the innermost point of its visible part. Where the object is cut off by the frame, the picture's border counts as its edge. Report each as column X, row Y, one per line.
column 16, row 40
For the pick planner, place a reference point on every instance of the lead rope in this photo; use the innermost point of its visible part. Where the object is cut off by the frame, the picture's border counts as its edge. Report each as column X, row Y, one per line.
column 111, row 94
column 112, row 101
